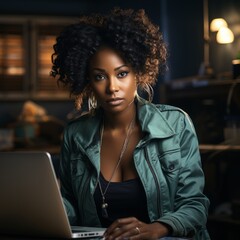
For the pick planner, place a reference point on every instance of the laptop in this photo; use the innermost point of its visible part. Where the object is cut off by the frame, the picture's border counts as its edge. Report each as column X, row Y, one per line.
column 30, row 199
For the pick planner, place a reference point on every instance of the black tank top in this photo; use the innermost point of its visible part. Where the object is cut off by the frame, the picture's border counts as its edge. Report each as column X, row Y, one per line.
column 124, row 199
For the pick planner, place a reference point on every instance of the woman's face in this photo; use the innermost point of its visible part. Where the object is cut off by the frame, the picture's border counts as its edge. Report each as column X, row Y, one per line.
column 112, row 80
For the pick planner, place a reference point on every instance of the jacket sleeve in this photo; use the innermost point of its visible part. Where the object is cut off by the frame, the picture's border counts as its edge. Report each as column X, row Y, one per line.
column 66, row 183
column 190, row 204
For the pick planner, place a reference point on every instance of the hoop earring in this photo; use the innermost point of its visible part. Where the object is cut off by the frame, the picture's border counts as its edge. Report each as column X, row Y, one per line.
column 92, row 102
column 147, row 88
column 78, row 102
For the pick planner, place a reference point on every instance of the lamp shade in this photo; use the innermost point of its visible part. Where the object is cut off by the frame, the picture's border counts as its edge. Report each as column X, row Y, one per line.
column 217, row 23
column 224, row 35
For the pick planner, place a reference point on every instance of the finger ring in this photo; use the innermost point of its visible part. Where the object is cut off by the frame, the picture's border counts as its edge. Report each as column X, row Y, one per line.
column 138, row 230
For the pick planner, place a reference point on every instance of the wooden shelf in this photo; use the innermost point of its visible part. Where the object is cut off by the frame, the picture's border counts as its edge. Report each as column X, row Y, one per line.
column 25, row 57
column 220, row 147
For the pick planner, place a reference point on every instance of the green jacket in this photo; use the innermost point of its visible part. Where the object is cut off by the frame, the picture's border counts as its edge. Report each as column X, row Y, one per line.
column 167, row 160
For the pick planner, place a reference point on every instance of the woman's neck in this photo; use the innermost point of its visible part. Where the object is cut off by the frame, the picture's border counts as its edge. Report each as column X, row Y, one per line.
column 120, row 120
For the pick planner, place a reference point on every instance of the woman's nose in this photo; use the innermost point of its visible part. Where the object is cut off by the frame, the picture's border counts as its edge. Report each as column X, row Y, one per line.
column 113, row 85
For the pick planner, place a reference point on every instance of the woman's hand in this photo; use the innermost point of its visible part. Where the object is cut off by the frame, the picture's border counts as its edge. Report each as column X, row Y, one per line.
column 131, row 228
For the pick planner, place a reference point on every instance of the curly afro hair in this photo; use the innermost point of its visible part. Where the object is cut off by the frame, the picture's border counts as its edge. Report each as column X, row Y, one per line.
column 129, row 32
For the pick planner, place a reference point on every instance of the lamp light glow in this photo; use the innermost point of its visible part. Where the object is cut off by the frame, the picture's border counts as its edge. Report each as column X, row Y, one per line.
column 217, row 23
column 224, row 35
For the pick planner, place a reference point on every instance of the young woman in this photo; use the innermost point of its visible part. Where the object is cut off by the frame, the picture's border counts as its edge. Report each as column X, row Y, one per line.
column 127, row 165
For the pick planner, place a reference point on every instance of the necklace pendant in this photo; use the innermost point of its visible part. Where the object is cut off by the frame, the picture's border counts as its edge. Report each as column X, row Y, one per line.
column 104, row 210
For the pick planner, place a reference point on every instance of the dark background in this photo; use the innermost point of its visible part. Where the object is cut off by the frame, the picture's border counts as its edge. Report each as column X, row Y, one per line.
column 181, row 23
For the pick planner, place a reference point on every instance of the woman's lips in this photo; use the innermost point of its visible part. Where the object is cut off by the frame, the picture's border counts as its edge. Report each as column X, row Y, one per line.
column 115, row 101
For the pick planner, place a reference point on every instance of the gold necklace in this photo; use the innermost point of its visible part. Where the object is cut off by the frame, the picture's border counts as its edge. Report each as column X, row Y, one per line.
column 123, row 149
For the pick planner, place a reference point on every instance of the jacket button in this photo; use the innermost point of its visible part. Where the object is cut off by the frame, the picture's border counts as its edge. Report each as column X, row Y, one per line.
column 171, row 167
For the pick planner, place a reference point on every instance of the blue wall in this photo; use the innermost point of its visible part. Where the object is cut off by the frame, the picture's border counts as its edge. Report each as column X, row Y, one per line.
column 183, row 31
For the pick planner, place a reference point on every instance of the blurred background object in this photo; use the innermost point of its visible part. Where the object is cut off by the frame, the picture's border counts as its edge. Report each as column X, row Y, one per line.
column 35, row 128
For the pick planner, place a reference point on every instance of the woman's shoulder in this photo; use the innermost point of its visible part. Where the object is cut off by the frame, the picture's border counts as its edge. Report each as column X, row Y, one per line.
column 175, row 116
column 170, row 111
column 164, row 108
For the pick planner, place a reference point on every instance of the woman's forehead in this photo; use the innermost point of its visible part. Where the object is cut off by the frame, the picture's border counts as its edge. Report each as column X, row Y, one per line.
column 106, row 56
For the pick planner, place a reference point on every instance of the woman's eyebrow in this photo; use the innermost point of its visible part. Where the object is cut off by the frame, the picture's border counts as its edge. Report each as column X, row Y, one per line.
column 124, row 65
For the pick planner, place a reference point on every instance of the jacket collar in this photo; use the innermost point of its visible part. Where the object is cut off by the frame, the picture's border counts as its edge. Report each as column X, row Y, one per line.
column 152, row 121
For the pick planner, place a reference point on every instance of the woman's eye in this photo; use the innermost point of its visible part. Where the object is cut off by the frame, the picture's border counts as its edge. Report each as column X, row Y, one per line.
column 99, row 77
column 122, row 74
